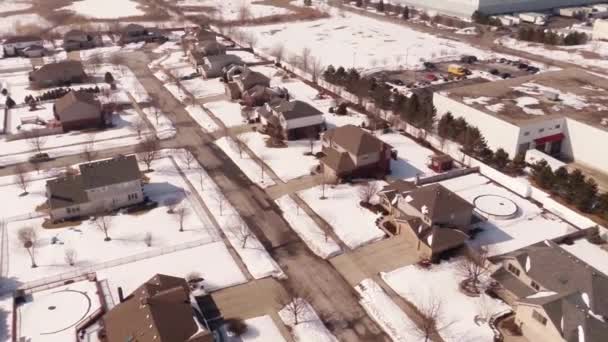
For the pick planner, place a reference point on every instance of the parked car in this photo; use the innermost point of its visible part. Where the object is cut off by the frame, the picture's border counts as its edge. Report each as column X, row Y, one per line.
column 494, row 72
column 429, row 66
column 397, row 82
column 468, row 59
column 502, row 60
column 431, row 77
column 522, row 66
column 506, row 75
column 39, row 158
column 533, row 69
column 467, row 72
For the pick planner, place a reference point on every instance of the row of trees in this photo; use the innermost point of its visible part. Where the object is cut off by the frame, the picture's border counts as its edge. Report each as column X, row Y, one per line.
column 484, row 19
column 573, row 187
column 473, row 143
column 404, row 12
column 549, row 37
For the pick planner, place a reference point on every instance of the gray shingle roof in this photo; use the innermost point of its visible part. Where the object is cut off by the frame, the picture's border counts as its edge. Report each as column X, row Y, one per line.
column 73, row 97
column 110, row 171
column 438, row 201
column 355, row 140
column 296, row 109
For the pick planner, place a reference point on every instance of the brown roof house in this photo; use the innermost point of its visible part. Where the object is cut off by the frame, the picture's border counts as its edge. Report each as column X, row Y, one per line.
column 197, row 53
column 212, row 66
column 435, row 218
column 135, row 33
column 291, row 120
column 160, row 310
column 247, row 79
column 78, row 110
column 14, row 46
column 352, row 152
column 556, row 296
column 78, row 39
column 58, row 74
column 101, row 186
column 259, row 95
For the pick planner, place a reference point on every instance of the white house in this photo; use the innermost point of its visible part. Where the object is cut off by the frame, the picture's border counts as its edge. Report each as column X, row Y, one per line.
column 295, row 119
column 561, row 113
column 15, row 45
column 100, row 186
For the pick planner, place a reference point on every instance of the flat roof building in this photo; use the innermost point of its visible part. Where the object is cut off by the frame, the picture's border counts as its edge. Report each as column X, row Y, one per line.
column 562, row 113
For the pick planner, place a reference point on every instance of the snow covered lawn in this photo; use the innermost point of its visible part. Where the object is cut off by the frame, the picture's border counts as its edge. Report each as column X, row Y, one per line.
column 530, row 225
column 108, row 9
column 128, row 232
column 163, row 126
column 411, row 157
column 353, row 224
column 440, row 285
column 222, row 272
column 386, row 313
column 198, row 114
column 201, row 88
column 11, row 6
column 307, row 229
column 261, row 329
column 228, row 112
column 257, row 174
column 236, row 9
column 592, row 254
column 309, row 326
column 257, row 260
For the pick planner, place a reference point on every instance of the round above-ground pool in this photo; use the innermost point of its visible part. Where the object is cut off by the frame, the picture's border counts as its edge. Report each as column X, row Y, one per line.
column 497, row 207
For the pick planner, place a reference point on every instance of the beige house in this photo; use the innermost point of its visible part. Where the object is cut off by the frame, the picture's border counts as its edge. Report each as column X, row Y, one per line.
column 432, row 216
column 245, row 80
column 100, row 186
column 556, row 296
column 58, row 74
column 292, row 120
column 350, row 151
column 78, row 110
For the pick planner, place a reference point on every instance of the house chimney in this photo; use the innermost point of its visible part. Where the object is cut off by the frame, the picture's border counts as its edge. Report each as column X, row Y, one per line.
column 121, row 296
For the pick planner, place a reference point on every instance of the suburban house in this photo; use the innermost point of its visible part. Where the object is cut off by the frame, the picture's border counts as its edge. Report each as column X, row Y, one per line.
column 204, row 35
column 349, row 151
column 196, row 55
column 555, row 295
column 212, row 66
column 160, row 310
column 292, row 120
column 100, row 186
column 244, row 81
column 258, row 95
column 78, row 110
column 58, row 74
column 437, row 219
column 14, row 46
column 78, row 39
column 135, row 33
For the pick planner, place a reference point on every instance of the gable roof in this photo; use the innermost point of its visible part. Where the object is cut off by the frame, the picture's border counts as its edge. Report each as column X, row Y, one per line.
column 59, row 70
column 397, row 187
column 251, row 78
column 338, row 161
column 74, row 97
column 159, row 310
column 110, row 171
column 22, row 39
column 296, row 109
column 74, row 33
column 223, row 60
column 66, row 191
column 355, row 140
column 436, row 201
column 437, row 238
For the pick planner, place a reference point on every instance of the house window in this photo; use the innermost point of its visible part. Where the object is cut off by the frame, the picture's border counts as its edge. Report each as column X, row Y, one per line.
column 557, row 126
column 513, row 269
column 538, row 317
column 526, row 134
column 132, row 197
column 535, row 285
column 73, row 210
column 541, row 130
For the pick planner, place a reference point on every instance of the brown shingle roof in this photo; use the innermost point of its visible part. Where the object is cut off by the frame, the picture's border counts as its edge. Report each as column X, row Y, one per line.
column 110, row 171
column 58, row 71
column 296, row 109
column 437, row 201
column 339, row 162
column 355, row 140
column 73, row 97
column 22, row 39
column 158, row 311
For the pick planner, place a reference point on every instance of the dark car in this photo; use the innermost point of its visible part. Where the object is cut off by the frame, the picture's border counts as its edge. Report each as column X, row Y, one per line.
column 502, row 60
column 533, row 69
column 429, row 66
column 397, row 82
column 468, row 59
column 505, row 75
column 522, row 66
column 494, row 72
column 39, row 158
column 468, row 72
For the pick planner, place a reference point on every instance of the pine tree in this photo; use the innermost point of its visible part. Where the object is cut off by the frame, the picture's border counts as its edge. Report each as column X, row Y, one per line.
column 561, row 181
column 501, row 159
column 602, row 205
column 518, row 164
column 406, row 13
column 576, row 180
column 380, row 6
column 359, row 3
column 329, row 73
column 543, row 175
column 307, row 2
column 586, row 195
column 445, row 126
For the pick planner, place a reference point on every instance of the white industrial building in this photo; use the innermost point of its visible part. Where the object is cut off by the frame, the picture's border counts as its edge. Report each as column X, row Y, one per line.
column 465, row 8
column 561, row 113
column 600, row 29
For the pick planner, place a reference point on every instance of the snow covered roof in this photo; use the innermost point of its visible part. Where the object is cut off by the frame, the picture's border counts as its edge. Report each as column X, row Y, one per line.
column 580, row 95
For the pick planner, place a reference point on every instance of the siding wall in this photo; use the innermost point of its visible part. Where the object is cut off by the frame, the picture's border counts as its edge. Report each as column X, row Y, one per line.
column 534, row 330
column 585, row 145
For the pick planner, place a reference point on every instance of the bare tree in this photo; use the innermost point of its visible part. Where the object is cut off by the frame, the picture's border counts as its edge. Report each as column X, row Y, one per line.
column 324, row 183
column 473, row 268
column 28, row 238
column 188, row 157
column 305, row 58
column 278, row 52
column 103, row 222
column 240, row 143
column 295, row 305
column 88, row 149
column 220, row 199
column 93, row 62
column 263, row 159
column 22, row 179
column 368, row 191
column 244, row 12
column 432, row 319
column 148, row 238
column 149, row 151
column 70, row 256
column 180, row 217
column 35, row 140
column 155, row 101
column 315, row 68
column 138, row 126
column 241, row 232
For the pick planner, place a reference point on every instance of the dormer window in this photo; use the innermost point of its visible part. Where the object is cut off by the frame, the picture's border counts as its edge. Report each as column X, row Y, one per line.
column 513, row 269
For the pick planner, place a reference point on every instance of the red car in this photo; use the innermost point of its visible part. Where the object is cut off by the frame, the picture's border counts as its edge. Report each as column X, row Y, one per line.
column 431, row 77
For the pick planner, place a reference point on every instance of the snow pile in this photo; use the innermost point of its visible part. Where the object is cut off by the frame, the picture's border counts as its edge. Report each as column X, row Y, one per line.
column 386, row 313
column 525, row 101
column 108, row 9
column 459, row 313
column 353, row 224
column 309, row 327
column 307, row 229
column 483, row 100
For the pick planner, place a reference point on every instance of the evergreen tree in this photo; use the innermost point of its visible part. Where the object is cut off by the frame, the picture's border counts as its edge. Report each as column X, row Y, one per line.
column 329, row 73
column 406, row 13
column 380, row 6
column 518, row 164
column 307, row 2
column 501, row 159
column 543, row 175
column 602, row 205
column 586, row 195
column 445, row 126
column 576, row 180
column 561, row 181
column 359, row 3
column 108, row 78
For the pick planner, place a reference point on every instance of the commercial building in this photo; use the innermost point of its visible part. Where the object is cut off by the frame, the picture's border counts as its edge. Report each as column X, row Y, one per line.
column 465, row 8
column 561, row 113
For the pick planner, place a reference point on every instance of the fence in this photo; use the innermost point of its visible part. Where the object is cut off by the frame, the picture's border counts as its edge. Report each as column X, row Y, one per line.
column 447, row 175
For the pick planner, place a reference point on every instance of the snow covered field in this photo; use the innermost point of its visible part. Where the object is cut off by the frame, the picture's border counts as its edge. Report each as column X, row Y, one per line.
column 228, row 112
column 254, row 171
column 386, row 313
column 412, row 158
column 531, row 224
column 307, row 229
column 198, row 114
column 353, row 224
column 353, row 40
column 108, row 9
column 11, row 6
column 237, row 9
column 459, row 312
column 8, row 25
column 309, row 327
